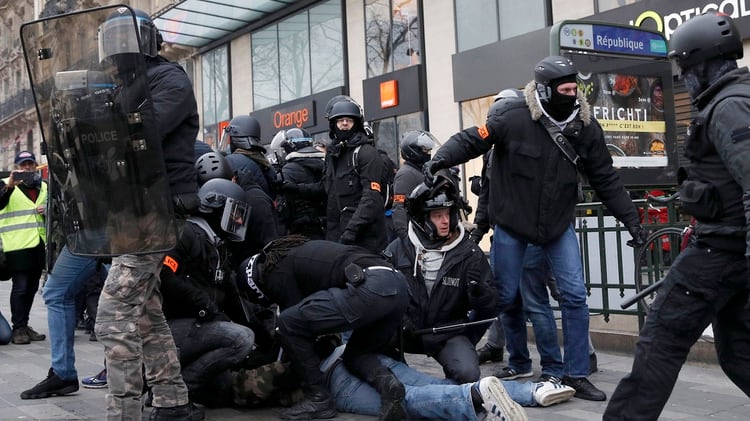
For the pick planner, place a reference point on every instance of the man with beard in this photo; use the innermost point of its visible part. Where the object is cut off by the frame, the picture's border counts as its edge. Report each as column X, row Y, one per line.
column 708, row 280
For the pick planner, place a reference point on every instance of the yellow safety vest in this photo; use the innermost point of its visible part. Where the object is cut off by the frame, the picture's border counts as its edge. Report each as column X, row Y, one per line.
column 21, row 226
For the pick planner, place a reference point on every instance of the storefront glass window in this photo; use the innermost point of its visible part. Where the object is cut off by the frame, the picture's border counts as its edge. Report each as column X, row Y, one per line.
column 393, row 35
column 215, row 83
column 299, row 56
column 476, row 23
column 482, row 22
column 294, row 48
column 388, row 132
column 326, row 35
column 474, row 112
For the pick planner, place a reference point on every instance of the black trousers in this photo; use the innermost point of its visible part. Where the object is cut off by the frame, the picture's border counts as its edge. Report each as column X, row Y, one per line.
column 372, row 311
column 703, row 285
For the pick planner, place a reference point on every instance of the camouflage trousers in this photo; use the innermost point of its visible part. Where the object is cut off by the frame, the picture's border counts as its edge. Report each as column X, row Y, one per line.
column 131, row 326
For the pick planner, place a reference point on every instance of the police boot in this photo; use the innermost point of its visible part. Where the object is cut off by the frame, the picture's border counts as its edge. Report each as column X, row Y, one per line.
column 187, row 412
column 317, row 404
column 392, row 394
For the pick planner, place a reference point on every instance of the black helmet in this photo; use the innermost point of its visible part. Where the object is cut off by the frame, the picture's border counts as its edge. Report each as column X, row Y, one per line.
column 417, row 145
column 224, row 203
column 248, row 281
column 710, row 35
column 443, row 194
column 552, row 71
column 213, row 165
column 117, row 34
column 333, row 101
column 244, row 131
column 346, row 109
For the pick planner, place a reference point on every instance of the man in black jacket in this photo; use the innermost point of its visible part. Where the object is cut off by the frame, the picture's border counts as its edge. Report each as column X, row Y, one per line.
column 448, row 277
column 708, row 282
column 353, row 175
column 534, row 191
column 324, row 287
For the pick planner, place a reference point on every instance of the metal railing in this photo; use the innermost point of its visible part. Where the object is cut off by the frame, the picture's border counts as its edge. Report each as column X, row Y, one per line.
column 17, row 103
column 608, row 263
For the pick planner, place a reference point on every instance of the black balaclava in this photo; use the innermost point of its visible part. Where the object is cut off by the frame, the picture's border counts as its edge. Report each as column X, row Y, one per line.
column 700, row 76
column 344, row 135
column 560, row 106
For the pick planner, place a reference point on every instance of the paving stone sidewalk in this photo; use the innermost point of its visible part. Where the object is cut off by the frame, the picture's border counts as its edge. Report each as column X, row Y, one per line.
column 702, row 392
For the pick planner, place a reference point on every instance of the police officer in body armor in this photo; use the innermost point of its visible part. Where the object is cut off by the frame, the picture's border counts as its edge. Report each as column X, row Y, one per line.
column 199, row 294
column 709, row 279
column 302, row 163
column 416, row 149
column 248, row 155
column 534, row 192
column 355, row 213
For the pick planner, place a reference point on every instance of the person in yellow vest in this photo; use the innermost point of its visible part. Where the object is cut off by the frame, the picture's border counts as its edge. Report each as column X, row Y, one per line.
column 23, row 235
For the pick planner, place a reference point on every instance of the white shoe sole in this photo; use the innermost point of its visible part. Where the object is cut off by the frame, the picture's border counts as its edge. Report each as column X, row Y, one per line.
column 503, row 408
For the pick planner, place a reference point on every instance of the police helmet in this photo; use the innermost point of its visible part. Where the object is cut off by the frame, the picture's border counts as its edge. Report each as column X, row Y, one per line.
column 223, row 202
column 213, row 165
column 333, row 101
column 417, row 145
column 443, row 194
column 244, row 133
column 550, row 72
column 128, row 30
column 248, row 279
column 296, row 139
column 710, row 35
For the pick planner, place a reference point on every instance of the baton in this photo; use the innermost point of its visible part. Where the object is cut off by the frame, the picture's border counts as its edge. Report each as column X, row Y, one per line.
column 448, row 328
column 630, row 301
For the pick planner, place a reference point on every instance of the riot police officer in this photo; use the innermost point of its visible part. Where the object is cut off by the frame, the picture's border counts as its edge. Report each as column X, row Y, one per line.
column 709, row 279
column 416, row 149
column 248, row 155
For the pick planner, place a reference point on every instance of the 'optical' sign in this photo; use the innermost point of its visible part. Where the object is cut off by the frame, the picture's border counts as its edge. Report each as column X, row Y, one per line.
column 668, row 22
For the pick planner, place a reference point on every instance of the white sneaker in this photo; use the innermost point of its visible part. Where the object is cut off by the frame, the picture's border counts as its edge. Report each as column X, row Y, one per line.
column 497, row 403
column 548, row 393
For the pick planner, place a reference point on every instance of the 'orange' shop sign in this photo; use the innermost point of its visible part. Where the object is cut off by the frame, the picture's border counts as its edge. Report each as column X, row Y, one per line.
column 389, row 93
column 299, row 116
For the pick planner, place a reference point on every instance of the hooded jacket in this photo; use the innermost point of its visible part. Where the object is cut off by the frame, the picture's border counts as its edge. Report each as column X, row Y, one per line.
column 534, row 188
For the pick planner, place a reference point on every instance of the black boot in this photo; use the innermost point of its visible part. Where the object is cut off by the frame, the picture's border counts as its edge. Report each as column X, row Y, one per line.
column 187, row 412
column 392, row 394
column 317, row 404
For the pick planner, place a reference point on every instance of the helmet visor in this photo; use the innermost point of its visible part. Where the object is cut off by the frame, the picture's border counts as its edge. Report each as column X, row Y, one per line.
column 235, row 218
column 118, row 36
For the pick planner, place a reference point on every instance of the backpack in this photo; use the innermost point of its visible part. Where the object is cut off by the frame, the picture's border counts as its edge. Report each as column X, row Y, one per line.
column 386, row 179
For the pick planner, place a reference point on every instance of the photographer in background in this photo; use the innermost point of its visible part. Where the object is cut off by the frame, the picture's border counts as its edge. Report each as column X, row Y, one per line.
column 23, row 235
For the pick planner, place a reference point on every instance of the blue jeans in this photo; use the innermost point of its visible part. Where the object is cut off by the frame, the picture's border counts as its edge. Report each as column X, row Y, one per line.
column 564, row 258
column 427, row 397
column 63, row 285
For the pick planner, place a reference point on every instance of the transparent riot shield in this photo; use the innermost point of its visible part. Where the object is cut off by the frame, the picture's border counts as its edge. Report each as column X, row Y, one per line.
column 109, row 194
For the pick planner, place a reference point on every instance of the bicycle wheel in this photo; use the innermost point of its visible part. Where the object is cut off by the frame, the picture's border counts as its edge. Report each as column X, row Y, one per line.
column 653, row 260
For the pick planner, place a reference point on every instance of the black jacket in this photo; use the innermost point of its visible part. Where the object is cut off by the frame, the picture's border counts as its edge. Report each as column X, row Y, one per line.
column 263, row 225
column 302, row 214
column 314, row 266
column 189, row 281
column 355, row 203
column 450, row 301
column 534, row 188
column 407, row 178
column 252, row 167
column 176, row 116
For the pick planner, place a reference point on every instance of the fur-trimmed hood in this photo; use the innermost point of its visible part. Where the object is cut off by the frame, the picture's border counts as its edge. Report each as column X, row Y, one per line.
column 529, row 93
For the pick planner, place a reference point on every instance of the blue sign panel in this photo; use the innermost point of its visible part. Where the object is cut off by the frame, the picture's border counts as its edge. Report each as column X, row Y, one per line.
column 612, row 39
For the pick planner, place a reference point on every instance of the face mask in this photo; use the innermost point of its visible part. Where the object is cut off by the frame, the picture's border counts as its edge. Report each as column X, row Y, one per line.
column 343, row 135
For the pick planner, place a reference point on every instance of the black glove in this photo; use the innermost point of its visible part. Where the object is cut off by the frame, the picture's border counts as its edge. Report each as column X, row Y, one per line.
column 639, row 235
column 348, row 237
column 477, row 235
column 475, row 289
column 430, row 168
column 185, row 204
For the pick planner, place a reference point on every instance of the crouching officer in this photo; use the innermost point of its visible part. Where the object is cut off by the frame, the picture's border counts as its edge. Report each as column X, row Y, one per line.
column 326, row 287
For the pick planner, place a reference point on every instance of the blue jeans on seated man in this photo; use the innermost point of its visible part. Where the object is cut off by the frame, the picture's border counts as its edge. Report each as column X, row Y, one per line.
column 209, row 349
column 564, row 258
column 427, row 397
column 63, row 284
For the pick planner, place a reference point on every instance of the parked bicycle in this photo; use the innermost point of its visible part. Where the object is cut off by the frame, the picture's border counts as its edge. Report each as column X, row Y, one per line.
column 654, row 259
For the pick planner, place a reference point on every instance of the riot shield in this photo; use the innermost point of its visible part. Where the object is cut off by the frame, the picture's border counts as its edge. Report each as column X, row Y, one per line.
column 109, row 194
